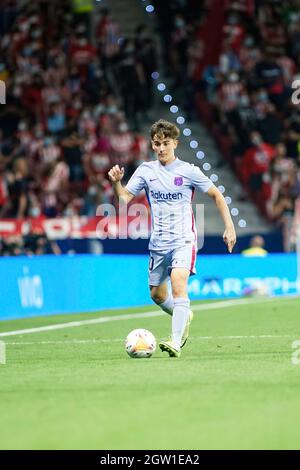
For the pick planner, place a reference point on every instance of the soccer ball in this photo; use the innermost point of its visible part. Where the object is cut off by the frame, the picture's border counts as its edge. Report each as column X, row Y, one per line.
column 140, row 343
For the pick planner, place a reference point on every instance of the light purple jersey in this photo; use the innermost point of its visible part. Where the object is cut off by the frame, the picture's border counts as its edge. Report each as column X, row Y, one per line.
column 169, row 191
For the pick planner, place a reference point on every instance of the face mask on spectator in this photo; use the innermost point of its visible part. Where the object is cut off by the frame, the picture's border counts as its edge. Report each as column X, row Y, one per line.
column 34, row 19
column 77, row 104
column 86, row 115
column 39, row 134
column 179, row 23
column 24, row 27
column 285, row 177
column 27, row 51
column 81, row 29
column 112, row 109
column 48, row 141
column 123, row 127
column 249, row 41
column 22, row 126
column 233, row 20
column 98, row 73
column 17, row 92
column 34, row 211
column 98, row 110
column 69, row 212
column 36, row 34
column 19, row 79
column 256, row 140
column 233, row 77
column 35, row 68
column 82, row 42
column 92, row 190
column 263, row 96
column 244, row 100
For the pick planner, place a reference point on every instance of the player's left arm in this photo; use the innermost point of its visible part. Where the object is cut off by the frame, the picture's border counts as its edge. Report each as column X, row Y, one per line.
column 229, row 235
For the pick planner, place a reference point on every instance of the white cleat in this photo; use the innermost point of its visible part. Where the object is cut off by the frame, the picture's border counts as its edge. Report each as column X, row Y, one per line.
column 169, row 347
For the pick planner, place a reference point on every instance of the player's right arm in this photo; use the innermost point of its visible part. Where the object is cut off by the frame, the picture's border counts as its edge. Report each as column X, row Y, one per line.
column 115, row 175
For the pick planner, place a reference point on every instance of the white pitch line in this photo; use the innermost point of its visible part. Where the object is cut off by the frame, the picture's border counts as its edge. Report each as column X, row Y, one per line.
column 70, row 341
column 93, row 321
column 240, row 337
column 154, row 313
column 120, row 340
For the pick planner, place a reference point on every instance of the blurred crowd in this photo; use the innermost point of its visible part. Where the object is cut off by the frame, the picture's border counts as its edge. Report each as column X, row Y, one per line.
column 240, row 59
column 34, row 243
column 75, row 102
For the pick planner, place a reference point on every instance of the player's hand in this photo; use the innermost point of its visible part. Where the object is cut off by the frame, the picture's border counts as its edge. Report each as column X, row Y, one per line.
column 229, row 238
column 116, row 174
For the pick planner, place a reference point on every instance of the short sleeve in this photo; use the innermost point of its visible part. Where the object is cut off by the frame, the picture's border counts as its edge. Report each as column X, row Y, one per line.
column 137, row 181
column 199, row 180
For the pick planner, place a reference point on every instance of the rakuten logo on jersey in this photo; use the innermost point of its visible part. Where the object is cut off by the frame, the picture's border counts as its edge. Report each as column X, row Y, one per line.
column 160, row 196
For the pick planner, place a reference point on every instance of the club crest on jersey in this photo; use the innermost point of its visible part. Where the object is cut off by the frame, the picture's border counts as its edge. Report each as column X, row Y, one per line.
column 178, row 181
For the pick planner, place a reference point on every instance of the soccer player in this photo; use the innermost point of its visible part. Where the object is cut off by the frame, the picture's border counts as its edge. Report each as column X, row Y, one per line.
column 169, row 184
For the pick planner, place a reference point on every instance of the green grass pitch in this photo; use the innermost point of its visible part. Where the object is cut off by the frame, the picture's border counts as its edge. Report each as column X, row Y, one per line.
column 234, row 387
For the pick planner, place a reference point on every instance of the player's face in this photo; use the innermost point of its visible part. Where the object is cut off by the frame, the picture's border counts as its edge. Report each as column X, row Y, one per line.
column 164, row 149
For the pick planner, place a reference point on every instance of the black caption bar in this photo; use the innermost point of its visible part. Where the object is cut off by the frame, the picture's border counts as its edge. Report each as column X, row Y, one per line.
column 135, row 459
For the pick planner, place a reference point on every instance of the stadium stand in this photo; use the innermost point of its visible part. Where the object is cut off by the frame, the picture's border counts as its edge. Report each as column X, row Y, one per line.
column 243, row 58
column 69, row 116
